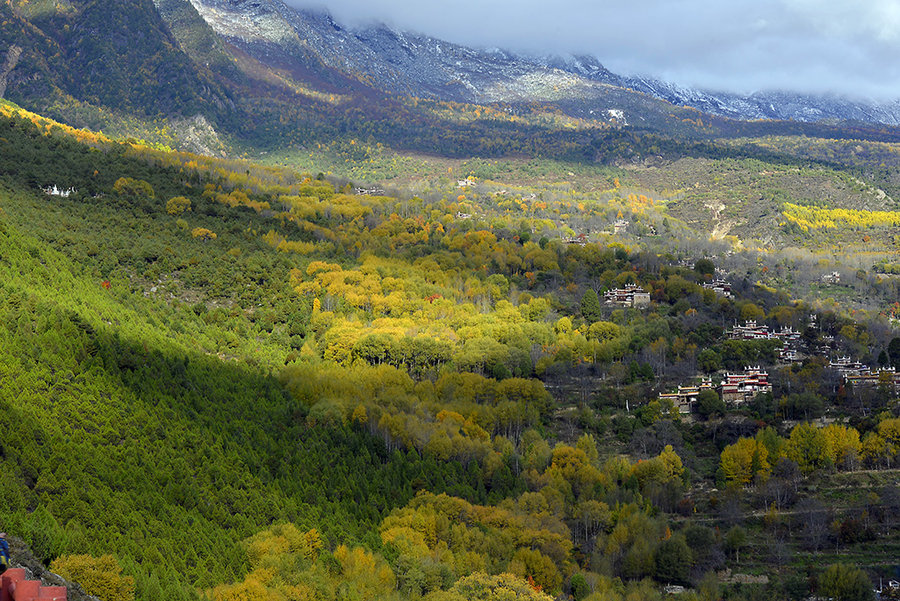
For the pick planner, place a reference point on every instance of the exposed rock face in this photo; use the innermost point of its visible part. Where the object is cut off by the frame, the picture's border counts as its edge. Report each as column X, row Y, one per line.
column 198, row 136
column 22, row 557
column 12, row 59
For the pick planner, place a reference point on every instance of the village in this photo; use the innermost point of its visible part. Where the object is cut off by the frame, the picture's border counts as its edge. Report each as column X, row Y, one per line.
column 737, row 388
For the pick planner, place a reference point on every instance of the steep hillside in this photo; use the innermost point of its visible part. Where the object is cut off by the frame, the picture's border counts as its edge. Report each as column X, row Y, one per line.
column 248, row 382
column 118, row 56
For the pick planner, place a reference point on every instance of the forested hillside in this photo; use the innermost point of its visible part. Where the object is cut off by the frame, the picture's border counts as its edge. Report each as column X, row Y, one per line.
column 245, row 382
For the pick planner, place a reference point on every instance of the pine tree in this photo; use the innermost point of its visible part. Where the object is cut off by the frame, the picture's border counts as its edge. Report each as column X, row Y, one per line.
column 590, row 306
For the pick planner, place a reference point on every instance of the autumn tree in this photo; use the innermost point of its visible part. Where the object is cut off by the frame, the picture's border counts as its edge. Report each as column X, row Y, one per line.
column 743, row 460
column 98, row 576
column 203, row 234
column 178, row 205
column 808, row 446
column 133, row 188
column 490, row 588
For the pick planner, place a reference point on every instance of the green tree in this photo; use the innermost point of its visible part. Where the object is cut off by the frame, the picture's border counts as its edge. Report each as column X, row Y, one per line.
column 893, row 352
column 590, row 306
column 705, row 267
column 580, row 587
column 709, row 360
column 735, row 540
column 709, row 404
column 673, row 560
column 843, row 582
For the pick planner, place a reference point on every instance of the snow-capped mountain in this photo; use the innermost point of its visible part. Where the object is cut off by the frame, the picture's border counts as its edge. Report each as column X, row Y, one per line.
column 409, row 63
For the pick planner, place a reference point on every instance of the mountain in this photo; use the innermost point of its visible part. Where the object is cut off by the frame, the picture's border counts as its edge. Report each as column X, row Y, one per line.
column 786, row 106
column 404, row 62
column 211, row 74
column 117, row 55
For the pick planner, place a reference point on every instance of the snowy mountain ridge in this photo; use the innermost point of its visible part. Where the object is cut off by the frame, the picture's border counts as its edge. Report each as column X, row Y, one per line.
column 419, row 65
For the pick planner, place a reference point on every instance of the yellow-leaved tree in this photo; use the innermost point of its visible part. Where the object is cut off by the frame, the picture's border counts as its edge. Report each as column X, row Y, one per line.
column 289, row 563
column 745, row 459
column 178, row 205
column 98, row 576
column 203, row 233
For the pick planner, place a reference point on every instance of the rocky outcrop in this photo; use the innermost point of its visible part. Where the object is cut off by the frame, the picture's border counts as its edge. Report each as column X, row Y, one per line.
column 198, row 136
column 12, row 59
column 33, row 570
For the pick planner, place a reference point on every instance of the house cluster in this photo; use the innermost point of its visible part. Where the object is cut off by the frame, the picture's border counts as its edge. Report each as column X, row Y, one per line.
column 720, row 287
column 858, row 374
column 749, row 331
column 789, row 355
column 886, row 376
column 735, row 389
column 631, row 295
column 465, row 183
column 754, row 331
column 848, row 367
column 580, row 239
column 369, row 192
column 620, row 226
column 686, row 396
column 56, row 191
column 742, row 387
column 831, row 278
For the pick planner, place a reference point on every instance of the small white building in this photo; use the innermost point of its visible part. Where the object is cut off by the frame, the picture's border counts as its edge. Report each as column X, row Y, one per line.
column 56, row 191
column 720, row 287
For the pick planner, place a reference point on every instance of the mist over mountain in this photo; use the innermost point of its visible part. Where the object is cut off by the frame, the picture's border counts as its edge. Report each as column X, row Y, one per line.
column 742, row 47
column 183, row 58
column 405, row 62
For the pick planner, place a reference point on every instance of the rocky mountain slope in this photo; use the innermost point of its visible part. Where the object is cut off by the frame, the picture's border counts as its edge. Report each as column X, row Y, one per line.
column 419, row 65
column 771, row 105
column 270, row 75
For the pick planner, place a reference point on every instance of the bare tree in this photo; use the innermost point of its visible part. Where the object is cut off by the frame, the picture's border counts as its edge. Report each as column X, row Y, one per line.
column 812, row 518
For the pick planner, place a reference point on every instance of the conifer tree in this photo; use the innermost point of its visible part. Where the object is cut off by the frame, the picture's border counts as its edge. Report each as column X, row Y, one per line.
column 590, row 306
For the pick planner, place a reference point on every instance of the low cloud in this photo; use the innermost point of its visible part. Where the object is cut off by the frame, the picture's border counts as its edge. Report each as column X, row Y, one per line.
column 841, row 46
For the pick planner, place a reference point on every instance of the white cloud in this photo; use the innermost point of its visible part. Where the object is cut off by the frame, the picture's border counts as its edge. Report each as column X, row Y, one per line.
column 845, row 46
column 852, row 19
